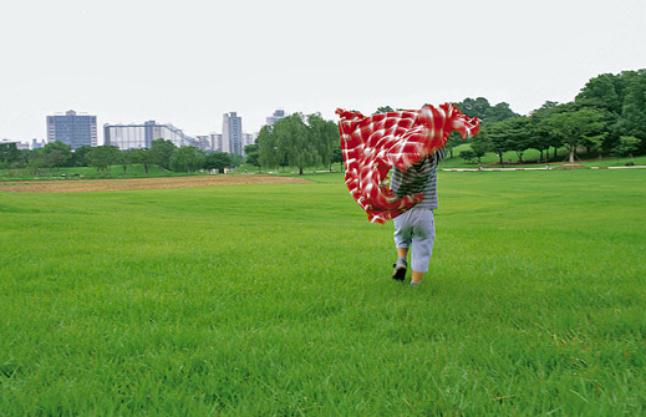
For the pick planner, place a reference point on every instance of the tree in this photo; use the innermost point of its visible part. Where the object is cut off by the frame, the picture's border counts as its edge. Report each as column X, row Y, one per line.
column 477, row 107
column 384, row 109
column 22, row 158
column 252, row 155
column 141, row 156
column 292, row 142
column 102, row 157
column 483, row 110
column 498, row 137
column 499, row 112
column 162, row 151
column 124, row 160
column 217, row 160
column 236, row 160
column 480, row 146
column 602, row 92
column 295, row 142
column 268, row 155
column 56, row 154
column 582, row 127
column 36, row 161
column 337, row 156
column 633, row 112
column 468, row 155
column 187, row 159
column 519, row 139
column 78, row 156
column 622, row 99
column 8, row 153
column 134, row 156
column 325, row 136
column 593, row 143
column 627, row 146
column 541, row 138
column 452, row 141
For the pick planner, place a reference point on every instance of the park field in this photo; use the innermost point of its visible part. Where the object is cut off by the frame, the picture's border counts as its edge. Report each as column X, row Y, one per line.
column 275, row 300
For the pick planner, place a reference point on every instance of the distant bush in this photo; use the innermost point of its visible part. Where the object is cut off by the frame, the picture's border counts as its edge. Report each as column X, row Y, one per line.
column 468, row 155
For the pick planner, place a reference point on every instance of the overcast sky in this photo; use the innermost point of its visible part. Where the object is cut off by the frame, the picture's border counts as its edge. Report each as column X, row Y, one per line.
column 188, row 62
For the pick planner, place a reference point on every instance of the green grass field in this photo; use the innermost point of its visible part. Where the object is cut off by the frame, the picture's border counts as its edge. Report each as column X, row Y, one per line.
column 276, row 300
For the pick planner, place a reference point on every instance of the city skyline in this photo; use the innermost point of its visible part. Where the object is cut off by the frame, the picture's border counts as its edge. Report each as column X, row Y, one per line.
column 523, row 54
column 141, row 132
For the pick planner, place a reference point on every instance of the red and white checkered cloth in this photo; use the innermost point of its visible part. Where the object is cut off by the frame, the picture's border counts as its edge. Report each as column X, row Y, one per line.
column 372, row 145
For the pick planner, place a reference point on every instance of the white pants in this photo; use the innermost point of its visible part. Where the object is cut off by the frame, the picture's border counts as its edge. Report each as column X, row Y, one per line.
column 415, row 229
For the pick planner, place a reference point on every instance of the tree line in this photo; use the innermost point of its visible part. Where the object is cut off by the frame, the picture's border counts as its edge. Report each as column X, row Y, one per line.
column 162, row 153
column 606, row 118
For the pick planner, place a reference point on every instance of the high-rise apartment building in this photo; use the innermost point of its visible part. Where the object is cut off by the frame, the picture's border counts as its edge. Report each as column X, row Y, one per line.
column 278, row 114
column 232, row 133
column 73, row 129
column 216, row 142
column 248, row 139
column 204, row 142
column 137, row 136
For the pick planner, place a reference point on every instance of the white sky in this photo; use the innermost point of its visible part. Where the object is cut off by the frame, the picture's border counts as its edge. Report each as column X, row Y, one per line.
column 187, row 62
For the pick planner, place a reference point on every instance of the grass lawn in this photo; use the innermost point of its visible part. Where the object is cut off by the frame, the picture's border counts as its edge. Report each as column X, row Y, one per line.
column 266, row 300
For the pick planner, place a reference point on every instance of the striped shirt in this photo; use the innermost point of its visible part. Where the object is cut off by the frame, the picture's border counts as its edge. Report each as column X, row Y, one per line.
column 419, row 178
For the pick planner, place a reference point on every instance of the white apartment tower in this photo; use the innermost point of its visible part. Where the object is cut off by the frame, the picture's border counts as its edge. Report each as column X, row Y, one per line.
column 232, row 133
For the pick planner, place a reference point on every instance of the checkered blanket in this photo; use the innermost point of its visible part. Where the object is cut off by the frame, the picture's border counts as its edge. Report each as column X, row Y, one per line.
column 373, row 145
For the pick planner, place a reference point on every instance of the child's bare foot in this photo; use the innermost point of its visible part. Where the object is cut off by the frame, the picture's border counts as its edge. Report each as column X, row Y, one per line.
column 416, row 278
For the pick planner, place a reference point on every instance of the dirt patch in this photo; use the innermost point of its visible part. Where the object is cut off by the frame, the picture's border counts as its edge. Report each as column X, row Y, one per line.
column 78, row 186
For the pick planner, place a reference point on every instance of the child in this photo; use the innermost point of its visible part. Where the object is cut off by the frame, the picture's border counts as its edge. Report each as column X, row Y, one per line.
column 415, row 228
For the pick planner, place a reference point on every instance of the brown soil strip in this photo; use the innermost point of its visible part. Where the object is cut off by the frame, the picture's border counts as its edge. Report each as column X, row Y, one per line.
column 77, row 186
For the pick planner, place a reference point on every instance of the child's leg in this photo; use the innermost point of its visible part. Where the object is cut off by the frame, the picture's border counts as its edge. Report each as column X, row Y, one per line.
column 402, row 236
column 422, row 244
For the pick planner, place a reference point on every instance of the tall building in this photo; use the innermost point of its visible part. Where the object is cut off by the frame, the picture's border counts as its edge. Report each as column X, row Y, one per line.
column 232, row 133
column 216, row 142
column 204, row 142
column 248, row 139
column 73, row 129
column 137, row 136
column 278, row 114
